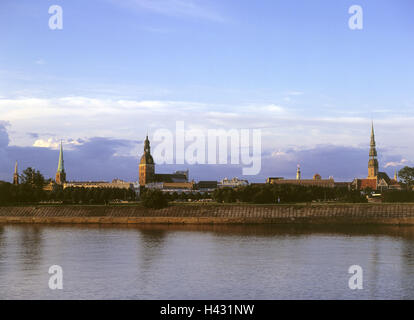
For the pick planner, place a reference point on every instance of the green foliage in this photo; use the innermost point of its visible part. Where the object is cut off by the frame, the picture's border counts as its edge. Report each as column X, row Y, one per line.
column 286, row 193
column 23, row 193
column 406, row 175
column 32, row 177
column 154, row 199
column 29, row 193
column 398, row 196
column 174, row 196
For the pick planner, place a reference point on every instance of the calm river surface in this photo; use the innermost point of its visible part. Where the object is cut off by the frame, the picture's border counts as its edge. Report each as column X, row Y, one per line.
column 206, row 262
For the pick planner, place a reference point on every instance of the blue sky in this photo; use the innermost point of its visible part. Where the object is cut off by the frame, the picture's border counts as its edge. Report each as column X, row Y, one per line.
column 292, row 68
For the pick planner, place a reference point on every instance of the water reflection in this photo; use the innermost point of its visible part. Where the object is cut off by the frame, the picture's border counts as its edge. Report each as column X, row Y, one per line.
column 152, row 243
column 206, row 261
column 30, row 240
column 158, row 231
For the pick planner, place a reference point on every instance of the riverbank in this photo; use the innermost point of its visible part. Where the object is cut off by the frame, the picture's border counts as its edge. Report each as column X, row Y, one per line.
column 356, row 214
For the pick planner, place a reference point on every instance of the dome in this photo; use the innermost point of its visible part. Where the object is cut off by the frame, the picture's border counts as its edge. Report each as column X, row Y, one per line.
column 146, row 159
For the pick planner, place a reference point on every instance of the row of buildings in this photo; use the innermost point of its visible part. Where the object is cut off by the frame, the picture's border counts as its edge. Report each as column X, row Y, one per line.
column 179, row 181
column 175, row 182
column 375, row 180
column 61, row 181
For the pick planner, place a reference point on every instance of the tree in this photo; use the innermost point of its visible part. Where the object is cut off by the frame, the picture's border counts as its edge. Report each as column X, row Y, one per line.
column 264, row 196
column 406, row 175
column 154, row 199
column 33, row 177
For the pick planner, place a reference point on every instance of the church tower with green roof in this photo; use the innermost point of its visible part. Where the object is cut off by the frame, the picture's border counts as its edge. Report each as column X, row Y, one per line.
column 61, row 174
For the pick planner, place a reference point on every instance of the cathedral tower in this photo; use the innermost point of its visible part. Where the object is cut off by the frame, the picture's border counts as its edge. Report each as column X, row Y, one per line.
column 61, row 174
column 15, row 175
column 146, row 165
column 373, row 162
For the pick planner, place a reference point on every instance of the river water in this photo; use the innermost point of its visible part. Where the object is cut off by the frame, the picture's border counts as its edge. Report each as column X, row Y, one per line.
column 206, row 262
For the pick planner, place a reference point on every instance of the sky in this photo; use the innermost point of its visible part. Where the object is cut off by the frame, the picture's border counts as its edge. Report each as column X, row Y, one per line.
column 120, row 69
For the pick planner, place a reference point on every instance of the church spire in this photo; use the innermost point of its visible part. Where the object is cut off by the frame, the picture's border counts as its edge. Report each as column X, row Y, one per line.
column 372, row 144
column 61, row 174
column 147, row 148
column 61, row 167
column 15, row 175
column 373, row 162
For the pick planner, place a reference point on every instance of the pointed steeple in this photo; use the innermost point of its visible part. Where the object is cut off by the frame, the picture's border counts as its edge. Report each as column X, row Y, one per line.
column 373, row 150
column 61, row 167
column 61, row 174
column 15, row 175
column 373, row 162
column 147, row 148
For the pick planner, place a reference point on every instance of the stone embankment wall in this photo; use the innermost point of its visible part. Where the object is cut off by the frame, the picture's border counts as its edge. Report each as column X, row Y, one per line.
column 391, row 214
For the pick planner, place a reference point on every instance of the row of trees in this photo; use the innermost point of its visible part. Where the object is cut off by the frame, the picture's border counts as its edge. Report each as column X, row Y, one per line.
column 32, row 182
column 286, row 193
column 259, row 194
column 26, row 193
column 91, row 195
column 22, row 193
column 398, row 196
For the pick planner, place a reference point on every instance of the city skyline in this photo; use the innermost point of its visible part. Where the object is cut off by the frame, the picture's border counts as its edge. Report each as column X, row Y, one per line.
column 220, row 155
column 60, row 176
column 312, row 88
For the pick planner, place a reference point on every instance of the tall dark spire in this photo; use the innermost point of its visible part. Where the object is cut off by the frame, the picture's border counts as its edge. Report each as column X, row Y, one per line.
column 373, row 162
column 373, row 150
column 147, row 148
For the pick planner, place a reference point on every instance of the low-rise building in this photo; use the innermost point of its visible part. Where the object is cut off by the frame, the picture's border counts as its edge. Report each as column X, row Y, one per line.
column 232, row 183
column 207, row 186
column 116, row 183
column 171, row 187
column 317, row 181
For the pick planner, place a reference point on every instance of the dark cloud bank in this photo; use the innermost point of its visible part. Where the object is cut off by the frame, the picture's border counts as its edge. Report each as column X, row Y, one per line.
column 96, row 159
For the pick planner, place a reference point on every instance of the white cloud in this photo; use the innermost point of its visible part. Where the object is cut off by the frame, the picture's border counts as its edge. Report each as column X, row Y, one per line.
column 53, row 143
column 81, row 116
column 277, row 154
column 396, row 163
column 49, row 143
